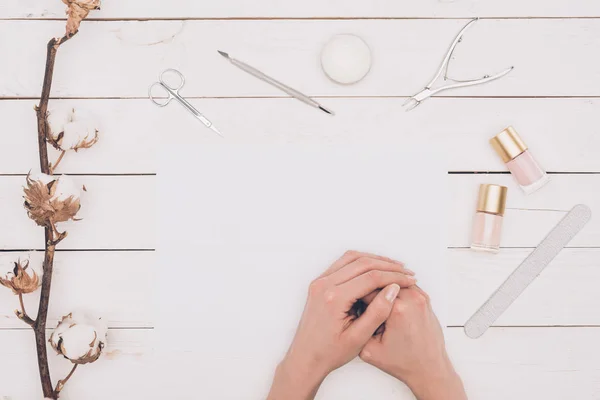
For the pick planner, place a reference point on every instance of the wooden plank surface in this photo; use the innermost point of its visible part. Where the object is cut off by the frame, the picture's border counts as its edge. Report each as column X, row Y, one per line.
column 528, row 219
column 118, row 286
column 118, row 212
column 309, row 9
column 506, row 363
column 565, row 294
column 122, row 372
column 406, row 53
column 551, row 98
column 561, row 133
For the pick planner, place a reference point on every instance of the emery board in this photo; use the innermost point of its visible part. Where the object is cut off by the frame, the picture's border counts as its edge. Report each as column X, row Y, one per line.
column 529, row 269
column 243, row 229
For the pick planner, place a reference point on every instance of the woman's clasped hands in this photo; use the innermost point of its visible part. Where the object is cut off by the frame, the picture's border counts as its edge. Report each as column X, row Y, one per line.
column 411, row 347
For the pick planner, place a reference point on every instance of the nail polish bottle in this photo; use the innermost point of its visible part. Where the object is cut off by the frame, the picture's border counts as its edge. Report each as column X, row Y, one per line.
column 487, row 224
column 524, row 168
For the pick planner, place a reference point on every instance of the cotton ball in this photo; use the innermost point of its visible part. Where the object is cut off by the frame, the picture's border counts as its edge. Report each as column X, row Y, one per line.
column 346, row 59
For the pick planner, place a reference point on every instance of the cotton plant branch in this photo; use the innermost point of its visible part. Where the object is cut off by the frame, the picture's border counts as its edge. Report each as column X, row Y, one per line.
column 50, row 201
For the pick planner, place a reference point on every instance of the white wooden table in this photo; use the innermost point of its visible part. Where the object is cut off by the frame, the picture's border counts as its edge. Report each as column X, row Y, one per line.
column 548, row 343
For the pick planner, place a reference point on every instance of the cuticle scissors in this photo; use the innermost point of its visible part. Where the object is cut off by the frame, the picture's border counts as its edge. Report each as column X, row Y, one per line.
column 428, row 91
column 173, row 93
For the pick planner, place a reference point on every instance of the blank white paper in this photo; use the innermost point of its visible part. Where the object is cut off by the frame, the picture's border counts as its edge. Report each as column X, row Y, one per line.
column 243, row 231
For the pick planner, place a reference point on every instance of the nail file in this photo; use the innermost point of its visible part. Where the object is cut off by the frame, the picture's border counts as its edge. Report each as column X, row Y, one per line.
column 529, row 269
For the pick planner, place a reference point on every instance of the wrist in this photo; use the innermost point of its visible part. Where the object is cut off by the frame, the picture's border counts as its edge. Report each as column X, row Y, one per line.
column 295, row 380
column 438, row 383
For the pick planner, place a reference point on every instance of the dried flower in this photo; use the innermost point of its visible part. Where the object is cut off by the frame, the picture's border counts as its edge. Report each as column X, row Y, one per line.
column 19, row 280
column 49, row 200
column 79, row 338
column 77, row 11
column 72, row 129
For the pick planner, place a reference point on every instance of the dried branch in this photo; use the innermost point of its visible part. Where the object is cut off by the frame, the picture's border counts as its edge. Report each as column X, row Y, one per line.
column 55, row 165
column 39, row 325
column 22, row 314
column 61, row 384
column 42, row 108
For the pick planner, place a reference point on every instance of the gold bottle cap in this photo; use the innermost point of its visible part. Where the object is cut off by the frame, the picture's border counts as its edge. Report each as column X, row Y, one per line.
column 508, row 144
column 492, row 199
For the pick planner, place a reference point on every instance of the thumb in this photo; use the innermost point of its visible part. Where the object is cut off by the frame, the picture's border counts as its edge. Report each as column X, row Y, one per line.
column 376, row 314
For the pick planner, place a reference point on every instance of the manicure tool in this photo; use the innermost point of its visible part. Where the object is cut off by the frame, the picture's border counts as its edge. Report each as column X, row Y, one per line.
column 292, row 92
column 415, row 100
column 529, row 269
column 173, row 92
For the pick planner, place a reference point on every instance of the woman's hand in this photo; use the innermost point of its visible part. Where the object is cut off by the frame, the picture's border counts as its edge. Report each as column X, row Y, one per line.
column 327, row 336
column 412, row 349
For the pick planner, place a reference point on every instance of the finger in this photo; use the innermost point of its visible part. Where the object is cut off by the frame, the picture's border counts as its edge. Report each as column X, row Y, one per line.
column 363, row 328
column 366, row 283
column 418, row 289
column 369, row 298
column 361, row 266
column 352, row 255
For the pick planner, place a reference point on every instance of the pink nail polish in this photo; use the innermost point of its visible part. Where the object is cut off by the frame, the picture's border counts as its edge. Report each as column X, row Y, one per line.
column 487, row 224
column 519, row 160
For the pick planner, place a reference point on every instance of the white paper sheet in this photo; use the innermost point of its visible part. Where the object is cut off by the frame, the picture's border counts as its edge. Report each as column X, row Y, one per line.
column 243, row 231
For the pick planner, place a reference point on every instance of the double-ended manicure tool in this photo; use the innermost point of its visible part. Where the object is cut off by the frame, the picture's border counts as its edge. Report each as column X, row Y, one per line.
column 415, row 100
column 284, row 88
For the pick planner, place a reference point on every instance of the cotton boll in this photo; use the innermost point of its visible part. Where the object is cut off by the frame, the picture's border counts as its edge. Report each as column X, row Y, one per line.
column 45, row 179
column 81, row 114
column 76, row 134
column 72, row 128
column 76, row 341
column 79, row 337
column 49, row 200
column 77, row 10
column 58, row 117
column 81, row 133
column 65, row 189
column 21, row 279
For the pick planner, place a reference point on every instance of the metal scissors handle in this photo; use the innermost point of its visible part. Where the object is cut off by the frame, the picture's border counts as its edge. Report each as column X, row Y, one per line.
column 173, row 93
column 429, row 91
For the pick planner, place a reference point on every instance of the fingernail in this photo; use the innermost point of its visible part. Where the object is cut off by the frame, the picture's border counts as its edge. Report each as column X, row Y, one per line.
column 408, row 271
column 412, row 280
column 392, row 292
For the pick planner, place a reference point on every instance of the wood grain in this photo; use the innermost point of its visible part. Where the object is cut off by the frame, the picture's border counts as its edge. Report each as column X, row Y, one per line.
column 118, row 212
column 120, row 286
column 122, row 372
column 310, row 9
column 551, row 98
column 528, row 219
column 506, row 363
column 561, row 133
column 551, row 57
column 564, row 294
